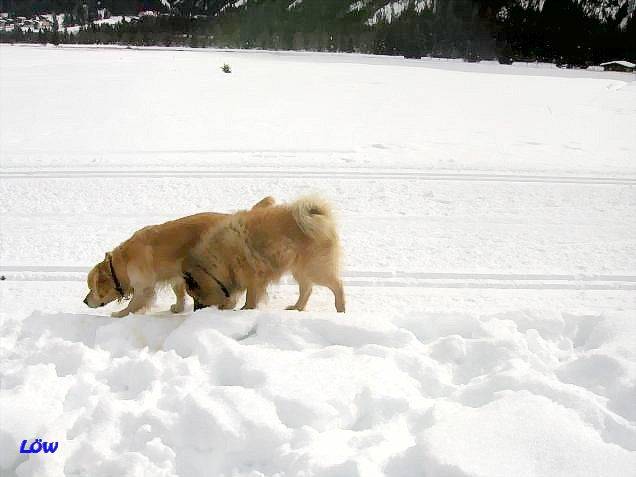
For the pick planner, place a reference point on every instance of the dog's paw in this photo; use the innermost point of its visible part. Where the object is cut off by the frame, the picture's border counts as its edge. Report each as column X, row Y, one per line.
column 176, row 308
column 291, row 307
column 119, row 314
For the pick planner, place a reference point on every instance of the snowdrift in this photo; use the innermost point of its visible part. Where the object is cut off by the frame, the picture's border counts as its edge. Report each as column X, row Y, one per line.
column 319, row 394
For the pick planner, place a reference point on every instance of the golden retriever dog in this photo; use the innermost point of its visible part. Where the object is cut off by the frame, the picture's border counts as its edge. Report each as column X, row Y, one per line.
column 153, row 255
column 248, row 250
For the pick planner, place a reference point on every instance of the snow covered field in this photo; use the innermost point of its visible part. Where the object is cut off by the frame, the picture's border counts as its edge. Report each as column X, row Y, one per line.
column 488, row 219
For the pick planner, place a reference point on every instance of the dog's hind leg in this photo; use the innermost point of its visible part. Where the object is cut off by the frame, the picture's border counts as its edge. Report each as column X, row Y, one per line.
column 179, row 291
column 324, row 270
column 335, row 285
column 304, row 292
column 139, row 300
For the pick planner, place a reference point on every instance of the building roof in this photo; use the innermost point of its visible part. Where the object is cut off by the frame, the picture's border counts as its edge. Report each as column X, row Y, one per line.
column 626, row 64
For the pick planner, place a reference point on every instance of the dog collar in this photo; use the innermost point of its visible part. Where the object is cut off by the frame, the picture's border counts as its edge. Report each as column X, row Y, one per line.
column 118, row 287
column 223, row 287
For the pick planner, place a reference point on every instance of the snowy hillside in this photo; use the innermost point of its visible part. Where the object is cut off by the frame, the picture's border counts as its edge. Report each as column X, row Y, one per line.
column 601, row 9
column 604, row 9
column 389, row 9
column 487, row 215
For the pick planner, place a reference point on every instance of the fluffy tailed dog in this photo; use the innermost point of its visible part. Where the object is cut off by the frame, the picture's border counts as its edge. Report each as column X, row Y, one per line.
column 151, row 256
column 250, row 249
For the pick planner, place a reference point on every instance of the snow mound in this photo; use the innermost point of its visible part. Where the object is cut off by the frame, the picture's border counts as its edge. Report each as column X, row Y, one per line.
column 320, row 394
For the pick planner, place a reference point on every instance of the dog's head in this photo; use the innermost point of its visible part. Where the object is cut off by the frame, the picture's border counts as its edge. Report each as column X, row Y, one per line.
column 207, row 286
column 101, row 285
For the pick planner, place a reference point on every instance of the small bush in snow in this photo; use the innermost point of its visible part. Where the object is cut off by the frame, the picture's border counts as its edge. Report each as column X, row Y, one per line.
column 226, row 68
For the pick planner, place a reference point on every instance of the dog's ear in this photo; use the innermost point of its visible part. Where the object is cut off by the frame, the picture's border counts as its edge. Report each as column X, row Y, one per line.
column 268, row 201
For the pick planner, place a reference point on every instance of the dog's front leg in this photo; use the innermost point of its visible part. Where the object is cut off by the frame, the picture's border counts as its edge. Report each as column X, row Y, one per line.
column 138, row 301
column 179, row 291
column 255, row 293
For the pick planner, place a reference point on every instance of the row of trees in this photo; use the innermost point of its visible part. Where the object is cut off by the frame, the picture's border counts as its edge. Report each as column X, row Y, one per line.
column 564, row 34
column 561, row 32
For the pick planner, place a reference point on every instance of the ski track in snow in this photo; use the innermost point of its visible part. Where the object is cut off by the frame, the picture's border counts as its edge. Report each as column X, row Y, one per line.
column 62, row 173
column 391, row 279
column 488, row 218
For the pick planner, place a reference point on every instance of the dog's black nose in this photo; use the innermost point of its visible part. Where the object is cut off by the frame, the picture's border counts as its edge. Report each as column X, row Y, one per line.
column 198, row 305
column 86, row 301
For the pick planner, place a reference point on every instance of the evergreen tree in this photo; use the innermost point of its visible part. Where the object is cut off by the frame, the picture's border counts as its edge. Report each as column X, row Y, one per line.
column 55, row 37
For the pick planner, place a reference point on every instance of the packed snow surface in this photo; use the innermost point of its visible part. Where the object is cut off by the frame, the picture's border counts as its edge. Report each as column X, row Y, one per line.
column 487, row 215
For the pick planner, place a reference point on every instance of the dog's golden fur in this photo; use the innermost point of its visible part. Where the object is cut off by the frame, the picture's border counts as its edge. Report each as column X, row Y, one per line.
column 250, row 249
column 153, row 255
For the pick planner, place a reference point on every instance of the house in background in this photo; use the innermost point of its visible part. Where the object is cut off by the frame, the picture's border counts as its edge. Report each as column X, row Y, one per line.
column 619, row 65
column 44, row 23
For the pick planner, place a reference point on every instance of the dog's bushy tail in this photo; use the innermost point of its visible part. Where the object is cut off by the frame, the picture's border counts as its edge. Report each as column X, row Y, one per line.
column 315, row 218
